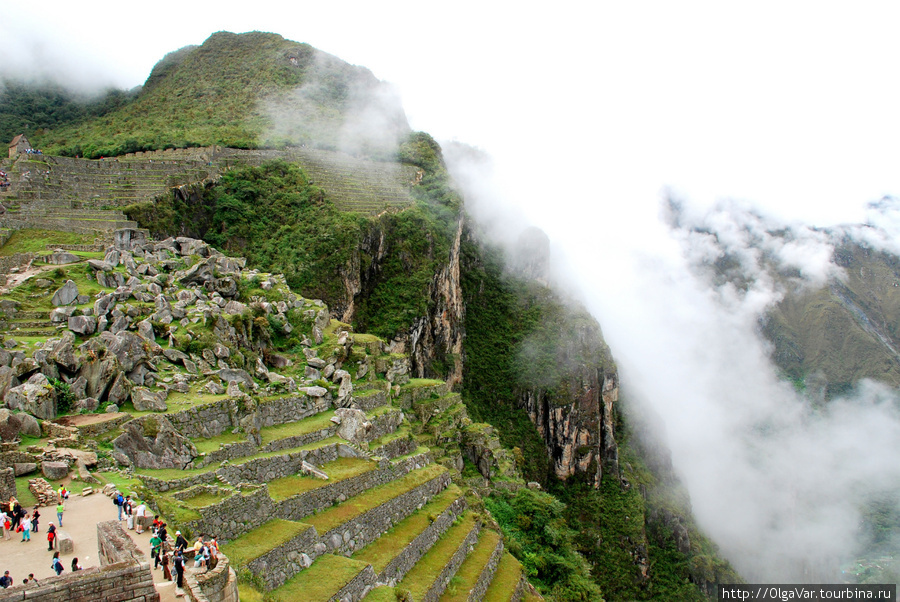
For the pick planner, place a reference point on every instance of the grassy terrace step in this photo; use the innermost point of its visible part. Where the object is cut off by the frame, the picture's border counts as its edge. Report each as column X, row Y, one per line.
column 257, row 542
column 205, row 446
column 309, row 429
column 426, row 576
column 356, row 506
column 418, row 389
column 175, row 473
column 323, row 580
column 507, row 580
column 475, row 568
column 338, row 470
column 381, row 552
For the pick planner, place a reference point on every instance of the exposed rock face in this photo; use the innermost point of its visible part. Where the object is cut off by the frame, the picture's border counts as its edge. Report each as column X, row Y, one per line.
column 29, row 425
column 153, row 443
column 531, row 257
column 354, row 424
column 579, row 429
column 55, row 470
column 146, row 400
column 439, row 335
column 10, row 425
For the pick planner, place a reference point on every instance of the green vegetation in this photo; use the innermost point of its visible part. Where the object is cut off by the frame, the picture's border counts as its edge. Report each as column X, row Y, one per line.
column 509, row 571
column 37, row 241
column 320, row 421
column 338, row 470
column 467, row 575
column 537, row 534
column 227, row 91
column 419, row 579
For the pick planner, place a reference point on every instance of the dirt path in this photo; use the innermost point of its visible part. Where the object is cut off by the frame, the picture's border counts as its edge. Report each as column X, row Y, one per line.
column 14, row 280
column 80, row 522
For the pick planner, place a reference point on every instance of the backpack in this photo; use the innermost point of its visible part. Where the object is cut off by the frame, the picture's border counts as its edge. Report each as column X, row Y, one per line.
column 119, row 500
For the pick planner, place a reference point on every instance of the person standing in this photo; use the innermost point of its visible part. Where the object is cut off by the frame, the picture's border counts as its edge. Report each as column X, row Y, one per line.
column 60, row 508
column 155, row 546
column 34, row 519
column 179, row 568
column 51, row 537
column 26, row 528
column 140, row 514
column 7, row 526
column 75, row 565
column 120, row 501
column 167, row 574
column 180, row 541
column 5, row 580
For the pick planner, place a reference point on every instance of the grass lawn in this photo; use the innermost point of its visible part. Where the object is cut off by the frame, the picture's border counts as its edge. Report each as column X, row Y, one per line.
column 509, row 571
column 420, row 578
column 338, row 470
column 320, row 421
column 383, row 550
column 327, row 575
column 205, row 446
column 338, row 515
column 32, row 240
column 201, row 500
column 261, row 540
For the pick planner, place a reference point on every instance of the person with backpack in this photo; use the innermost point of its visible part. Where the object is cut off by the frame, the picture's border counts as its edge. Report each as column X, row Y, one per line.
column 56, row 565
column 119, row 501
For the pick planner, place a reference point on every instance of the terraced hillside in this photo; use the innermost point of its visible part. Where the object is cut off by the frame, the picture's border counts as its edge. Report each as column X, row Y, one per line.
column 51, row 183
column 242, row 411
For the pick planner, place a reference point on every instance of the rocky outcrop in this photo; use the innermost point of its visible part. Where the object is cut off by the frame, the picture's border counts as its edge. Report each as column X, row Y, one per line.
column 153, row 443
column 438, row 337
column 37, row 397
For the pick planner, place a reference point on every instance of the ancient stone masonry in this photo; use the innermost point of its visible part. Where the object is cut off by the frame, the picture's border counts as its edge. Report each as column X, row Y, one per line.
column 440, row 583
column 407, row 559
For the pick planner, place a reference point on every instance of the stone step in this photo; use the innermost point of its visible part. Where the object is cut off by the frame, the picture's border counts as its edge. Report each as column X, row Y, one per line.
column 508, row 583
column 431, row 575
column 393, row 554
column 477, row 571
column 329, row 578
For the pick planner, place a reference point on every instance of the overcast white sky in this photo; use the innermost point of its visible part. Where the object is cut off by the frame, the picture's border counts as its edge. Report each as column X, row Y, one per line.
column 789, row 105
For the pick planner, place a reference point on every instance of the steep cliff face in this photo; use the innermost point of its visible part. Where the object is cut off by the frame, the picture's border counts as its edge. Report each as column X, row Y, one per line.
column 577, row 425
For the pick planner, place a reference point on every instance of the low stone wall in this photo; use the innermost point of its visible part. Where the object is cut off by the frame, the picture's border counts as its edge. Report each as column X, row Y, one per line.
column 290, row 409
column 217, row 585
column 301, row 440
column 234, row 516
column 409, row 395
column 487, row 573
column 279, row 564
column 19, row 260
column 123, row 575
column 358, row 587
column 398, row 447
column 163, row 485
column 443, row 579
column 370, row 399
column 385, row 424
column 208, row 420
column 407, row 559
column 98, row 428
column 231, row 451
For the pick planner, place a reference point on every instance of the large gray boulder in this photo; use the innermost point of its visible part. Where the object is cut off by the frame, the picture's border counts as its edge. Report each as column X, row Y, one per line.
column 30, row 425
column 10, row 425
column 354, row 425
column 153, row 443
column 99, row 371
column 145, row 400
column 100, row 265
column 8, row 380
column 55, row 470
column 36, row 397
column 63, row 352
column 237, row 375
column 66, row 295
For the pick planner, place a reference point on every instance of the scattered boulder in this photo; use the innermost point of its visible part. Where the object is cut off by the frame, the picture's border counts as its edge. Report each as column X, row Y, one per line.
column 87, row 404
column 146, row 400
column 112, row 409
column 24, row 468
column 354, row 424
column 60, row 257
column 100, row 265
column 8, row 380
column 66, row 294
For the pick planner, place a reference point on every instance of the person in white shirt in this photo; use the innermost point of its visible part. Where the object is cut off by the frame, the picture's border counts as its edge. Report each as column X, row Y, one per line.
column 139, row 513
